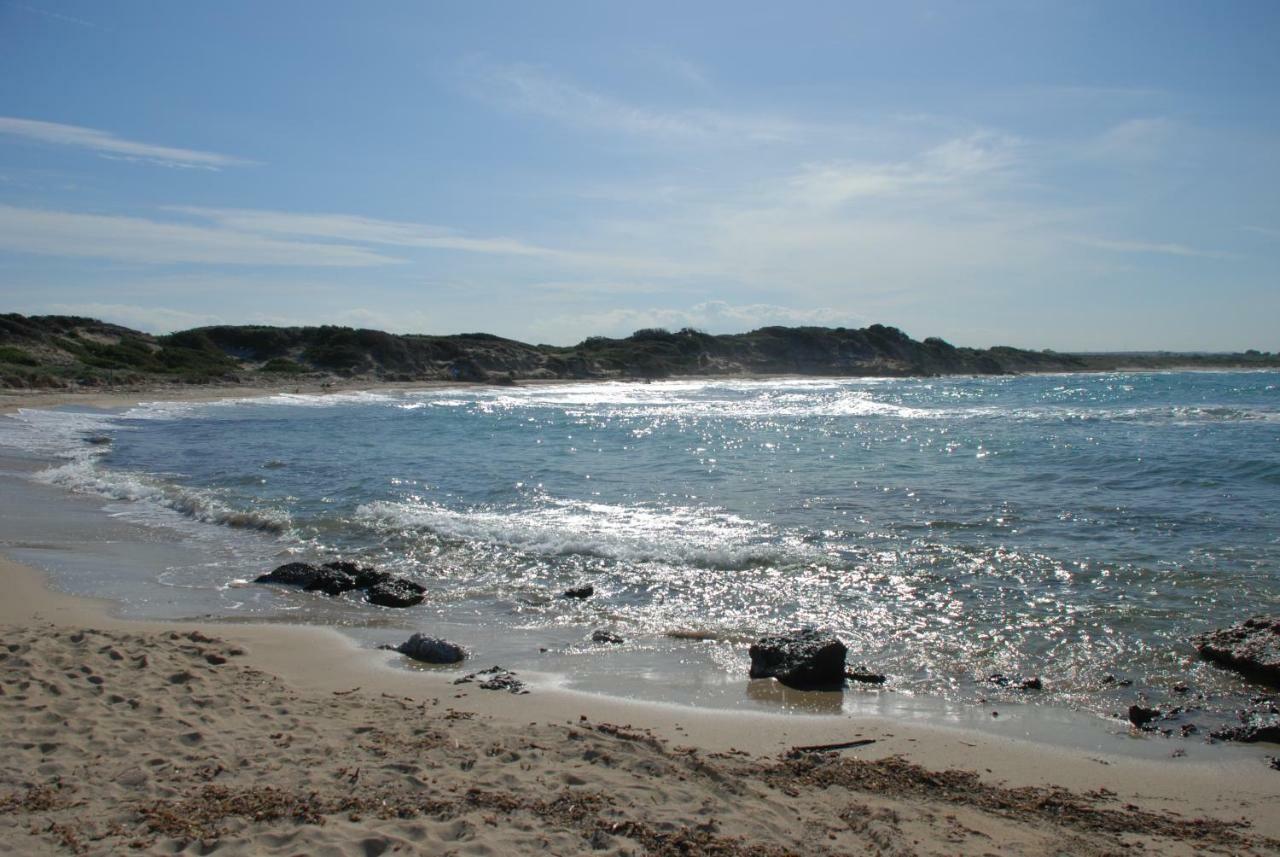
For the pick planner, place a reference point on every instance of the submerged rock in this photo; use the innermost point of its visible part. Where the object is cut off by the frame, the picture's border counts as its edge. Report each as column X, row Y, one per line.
column 1256, row 727
column 495, row 678
column 290, row 574
column 339, row 576
column 802, row 659
column 331, row 581
column 1140, row 716
column 579, row 592
column 1251, row 648
column 865, row 676
column 396, row 592
column 432, row 650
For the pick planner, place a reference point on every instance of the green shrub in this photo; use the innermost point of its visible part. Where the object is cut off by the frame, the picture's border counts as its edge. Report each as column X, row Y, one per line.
column 16, row 356
column 283, row 365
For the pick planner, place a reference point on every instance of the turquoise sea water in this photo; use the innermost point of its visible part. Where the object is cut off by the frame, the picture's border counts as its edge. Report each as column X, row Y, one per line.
column 1069, row 527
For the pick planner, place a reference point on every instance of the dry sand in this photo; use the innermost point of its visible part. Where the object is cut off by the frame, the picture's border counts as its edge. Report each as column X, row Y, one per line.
column 202, row 738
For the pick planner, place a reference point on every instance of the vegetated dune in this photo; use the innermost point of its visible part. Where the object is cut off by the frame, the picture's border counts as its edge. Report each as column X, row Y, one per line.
column 68, row 351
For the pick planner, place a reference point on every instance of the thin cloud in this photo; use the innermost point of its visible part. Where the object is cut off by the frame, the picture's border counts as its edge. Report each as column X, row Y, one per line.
column 366, row 230
column 135, row 239
column 1161, row 248
column 109, row 145
column 532, row 90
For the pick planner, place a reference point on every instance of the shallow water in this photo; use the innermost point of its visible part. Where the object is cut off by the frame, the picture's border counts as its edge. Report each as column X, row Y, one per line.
column 1070, row 527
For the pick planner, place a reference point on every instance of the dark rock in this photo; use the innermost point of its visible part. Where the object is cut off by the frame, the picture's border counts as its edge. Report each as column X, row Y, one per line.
column 432, row 650
column 1181, row 688
column 331, row 581
column 579, row 592
column 1274, row 763
column 345, row 565
column 367, row 578
column 290, row 574
column 1002, row 680
column 1254, row 727
column 865, row 676
column 98, row 440
column 1251, row 648
column 803, row 659
column 1189, row 729
column 602, row 636
column 1140, row 716
column 495, row 678
column 1109, row 680
column 396, row 592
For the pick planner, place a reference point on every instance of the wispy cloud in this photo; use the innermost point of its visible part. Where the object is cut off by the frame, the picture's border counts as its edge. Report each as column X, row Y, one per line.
column 109, row 145
column 1262, row 230
column 1139, row 139
column 534, row 90
column 981, row 156
column 365, row 230
column 362, row 230
column 135, row 239
column 1161, row 248
column 56, row 16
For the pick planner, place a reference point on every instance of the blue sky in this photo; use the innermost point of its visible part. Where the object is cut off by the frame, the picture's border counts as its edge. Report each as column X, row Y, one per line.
column 1071, row 175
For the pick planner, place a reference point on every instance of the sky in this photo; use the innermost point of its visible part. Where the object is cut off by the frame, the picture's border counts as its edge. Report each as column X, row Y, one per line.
column 1069, row 175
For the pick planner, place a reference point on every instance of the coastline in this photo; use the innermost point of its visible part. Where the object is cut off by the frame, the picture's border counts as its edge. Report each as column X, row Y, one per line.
column 314, row 667
column 318, row 668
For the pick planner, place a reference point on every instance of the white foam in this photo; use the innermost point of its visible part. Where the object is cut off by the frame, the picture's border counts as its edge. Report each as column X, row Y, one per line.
column 84, row 476
column 674, row 535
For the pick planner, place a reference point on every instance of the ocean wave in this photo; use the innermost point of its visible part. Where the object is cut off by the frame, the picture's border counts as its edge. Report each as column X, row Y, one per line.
column 674, row 535
column 56, row 434
column 84, row 476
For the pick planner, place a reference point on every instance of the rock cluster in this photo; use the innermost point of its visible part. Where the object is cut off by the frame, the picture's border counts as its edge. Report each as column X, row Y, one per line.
column 495, row 678
column 1251, row 648
column 335, row 578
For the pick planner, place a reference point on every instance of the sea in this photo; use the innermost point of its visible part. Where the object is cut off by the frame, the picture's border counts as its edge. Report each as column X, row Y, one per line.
column 1075, row 528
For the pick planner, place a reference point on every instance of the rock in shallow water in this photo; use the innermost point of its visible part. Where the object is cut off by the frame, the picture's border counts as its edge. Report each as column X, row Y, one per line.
column 579, row 592
column 603, row 636
column 335, row 578
column 331, row 581
column 1251, row 648
column 432, row 650
column 396, row 593
column 1255, row 728
column 802, row 659
column 290, row 574
column 1140, row 716
column 495, row 678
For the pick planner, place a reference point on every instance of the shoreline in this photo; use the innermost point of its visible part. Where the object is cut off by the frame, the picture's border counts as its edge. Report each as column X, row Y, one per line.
column 12, row 399
column 320, row 669
column 318, row 666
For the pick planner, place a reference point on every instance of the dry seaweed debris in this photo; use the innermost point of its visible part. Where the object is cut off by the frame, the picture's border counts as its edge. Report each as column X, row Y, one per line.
column 201, row 815
column 898, row 777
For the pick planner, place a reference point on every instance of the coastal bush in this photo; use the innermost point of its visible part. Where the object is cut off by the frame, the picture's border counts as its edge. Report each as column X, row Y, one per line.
column 282, row 365
column 17, row 356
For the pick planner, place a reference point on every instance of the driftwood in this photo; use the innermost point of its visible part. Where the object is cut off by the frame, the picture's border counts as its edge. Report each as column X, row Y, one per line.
column 823, row 748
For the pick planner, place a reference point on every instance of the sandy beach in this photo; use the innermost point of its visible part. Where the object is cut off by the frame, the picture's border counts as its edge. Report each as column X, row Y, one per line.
column 202, row 737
